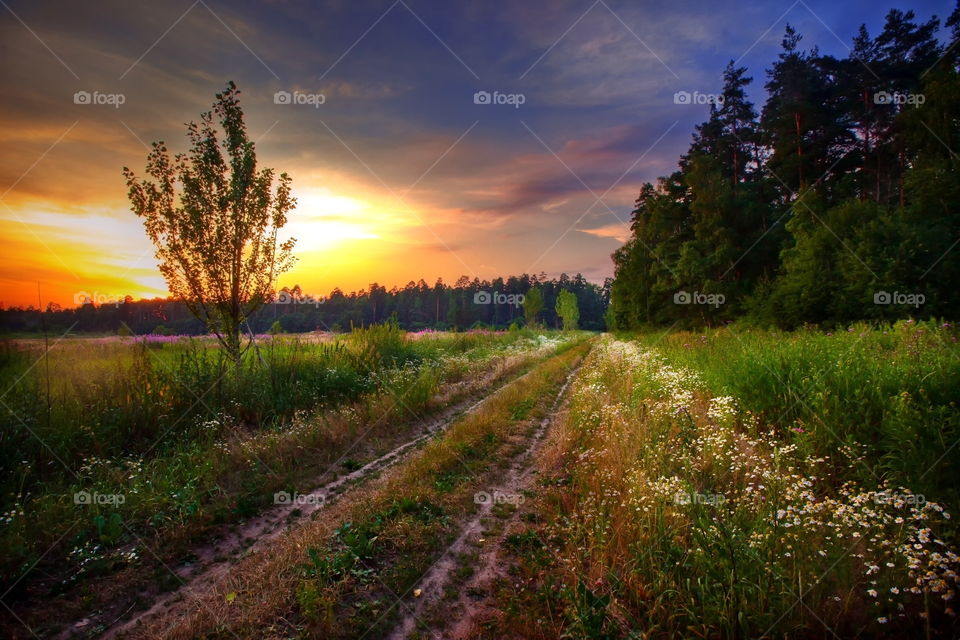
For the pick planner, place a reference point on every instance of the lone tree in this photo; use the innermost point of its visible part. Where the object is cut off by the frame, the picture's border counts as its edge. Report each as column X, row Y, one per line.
column 532, row 306
column 568, row 309
column 216, row 235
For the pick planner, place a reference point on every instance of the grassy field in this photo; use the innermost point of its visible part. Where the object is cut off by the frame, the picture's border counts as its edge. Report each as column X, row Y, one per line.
column 112, row 445
column 345, row 576
column 733, row 483
column 749, row 484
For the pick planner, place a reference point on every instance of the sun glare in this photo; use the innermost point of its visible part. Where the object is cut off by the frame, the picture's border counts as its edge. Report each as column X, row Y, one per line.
column 324, row 221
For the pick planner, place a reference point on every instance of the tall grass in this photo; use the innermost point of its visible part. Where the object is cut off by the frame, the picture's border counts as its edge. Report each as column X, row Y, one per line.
column 891, row 394
column 340, row 577
column 673, row 512
column 186, row 436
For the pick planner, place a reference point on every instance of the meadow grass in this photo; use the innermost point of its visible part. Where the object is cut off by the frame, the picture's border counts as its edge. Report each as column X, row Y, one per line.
column 886, row 399
column 340, row 577
column 189, row 441
column 686, row 500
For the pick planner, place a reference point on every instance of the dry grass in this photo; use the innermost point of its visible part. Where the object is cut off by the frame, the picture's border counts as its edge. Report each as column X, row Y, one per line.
column 259, row 596
column 300, row 456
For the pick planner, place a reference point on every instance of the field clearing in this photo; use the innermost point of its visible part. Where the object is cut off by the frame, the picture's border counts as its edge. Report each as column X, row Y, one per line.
column 304, row 415
column 698, row 487
column 729, row 483
column 347, row 576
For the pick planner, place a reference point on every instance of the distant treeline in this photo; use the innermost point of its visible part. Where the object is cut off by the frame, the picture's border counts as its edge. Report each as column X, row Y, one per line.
column 839, row 201
column 464, row 305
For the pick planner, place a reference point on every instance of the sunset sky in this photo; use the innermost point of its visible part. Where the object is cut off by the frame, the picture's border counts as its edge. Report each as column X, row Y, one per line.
column 399, row 174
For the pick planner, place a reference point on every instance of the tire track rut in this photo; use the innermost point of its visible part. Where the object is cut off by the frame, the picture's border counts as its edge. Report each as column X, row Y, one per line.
column 432, row 585
column 214, row 560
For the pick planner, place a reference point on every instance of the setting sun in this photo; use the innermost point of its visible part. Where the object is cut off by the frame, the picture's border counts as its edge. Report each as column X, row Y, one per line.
column 323, row 221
